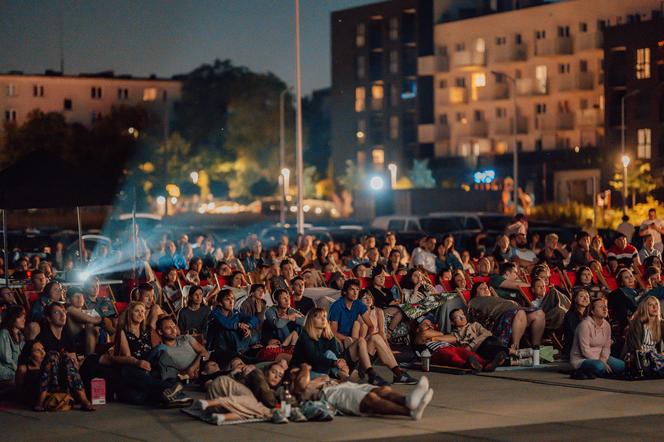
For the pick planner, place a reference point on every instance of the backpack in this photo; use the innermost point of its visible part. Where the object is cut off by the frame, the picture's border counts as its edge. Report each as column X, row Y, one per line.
column 639, row 365
column 58, row 402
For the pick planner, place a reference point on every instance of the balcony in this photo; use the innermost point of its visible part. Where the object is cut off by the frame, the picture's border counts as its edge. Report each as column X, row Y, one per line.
column 478, row 129
column 442, row 132
column 529, row 86
column 509, row 53
column 589, row 118
column 588, row 41
column 503, row 126
column 495, row 91
column 548, row 47
column 452, row 95
column 582, row 81
column 468, row 59
column 552, row 123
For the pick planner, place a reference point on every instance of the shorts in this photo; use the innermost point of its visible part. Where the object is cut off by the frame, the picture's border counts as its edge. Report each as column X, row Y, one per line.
column 346, row 397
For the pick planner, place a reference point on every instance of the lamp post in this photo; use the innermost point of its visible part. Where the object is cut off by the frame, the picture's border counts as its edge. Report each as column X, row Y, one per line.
column 298, row 127
column 285, row 175
column 625, row 163
column 515, row 157
column 393, row 174
column 282, row 154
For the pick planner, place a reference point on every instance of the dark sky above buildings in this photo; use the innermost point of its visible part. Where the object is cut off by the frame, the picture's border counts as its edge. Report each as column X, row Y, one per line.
column 167, row 37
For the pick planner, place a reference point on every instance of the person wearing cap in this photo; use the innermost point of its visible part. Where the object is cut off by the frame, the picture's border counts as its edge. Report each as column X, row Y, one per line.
column 625, row 253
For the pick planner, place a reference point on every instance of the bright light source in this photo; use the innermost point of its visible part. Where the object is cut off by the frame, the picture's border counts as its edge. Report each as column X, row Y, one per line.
column 376, row 183
column 285, row 172
column 359, row 134
column 484, row 176
column 318, row 210
column 194, row 177
column 131, row 130
column 83, row 275
column 577, row 149
column 174, row 200
column 293, row 209
column 161, row 200
column 306, row 208
column 625, row 160
column 201, row 209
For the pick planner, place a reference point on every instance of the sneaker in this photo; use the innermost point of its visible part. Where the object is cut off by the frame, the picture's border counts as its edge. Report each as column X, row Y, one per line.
column 296, row 415
column 415, row 397
column 474, row 364
column 525, row 352
column 278, row 417
column 199, row 405
column 180, row 400
column 526, row 362
column 217, row 418
column 417, row 413
column 378, row 381
column 578, row 375
column 404, row 379
column 168, row 394
column 497, row 361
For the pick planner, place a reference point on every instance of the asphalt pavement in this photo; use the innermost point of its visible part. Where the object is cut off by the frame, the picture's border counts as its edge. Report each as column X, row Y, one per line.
column 508, row 405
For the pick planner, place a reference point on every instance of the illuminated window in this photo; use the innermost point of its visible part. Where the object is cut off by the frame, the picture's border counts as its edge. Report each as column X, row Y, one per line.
column 642, row 63
column 360, row 96
column 150, row 94
column 360, row 35
column 501, row 147
column 377, row 97
column 540, row 78
column 394, row 127
column 480, row 45
column 479, row 80
column 394, row 28
column 378, row 156
column 644, row 143
column 10, row 115
column 394, row 62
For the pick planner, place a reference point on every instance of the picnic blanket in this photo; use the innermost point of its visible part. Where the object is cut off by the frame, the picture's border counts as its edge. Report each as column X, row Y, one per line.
column 208, row 417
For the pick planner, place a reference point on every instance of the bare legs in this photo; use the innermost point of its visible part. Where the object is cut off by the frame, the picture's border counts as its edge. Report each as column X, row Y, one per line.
column 522, row 320
column 385, row 401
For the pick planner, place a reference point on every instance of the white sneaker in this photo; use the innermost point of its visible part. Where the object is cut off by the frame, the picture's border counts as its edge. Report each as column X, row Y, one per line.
column 415, row 396
column 525, row 352
column 218, row 418
column 526, row 362
column 417, row 413
column 199, row 405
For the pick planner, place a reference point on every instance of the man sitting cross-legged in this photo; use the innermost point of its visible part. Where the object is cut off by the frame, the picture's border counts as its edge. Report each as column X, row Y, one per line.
column 342, row 316
column 361, row 399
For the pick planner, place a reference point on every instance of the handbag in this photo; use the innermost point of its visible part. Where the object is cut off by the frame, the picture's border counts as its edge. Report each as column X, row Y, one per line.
column 58, row 402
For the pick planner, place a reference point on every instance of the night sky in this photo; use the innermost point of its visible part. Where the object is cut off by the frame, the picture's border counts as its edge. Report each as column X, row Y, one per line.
column 142, row 37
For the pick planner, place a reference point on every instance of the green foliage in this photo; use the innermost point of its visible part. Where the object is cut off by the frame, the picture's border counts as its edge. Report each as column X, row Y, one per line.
column 421, row 176
column 354, row 178
column 570, row 213
column 639, row 178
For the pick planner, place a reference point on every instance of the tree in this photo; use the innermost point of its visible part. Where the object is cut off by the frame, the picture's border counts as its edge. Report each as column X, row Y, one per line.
column 421, row 176
column 639, row 179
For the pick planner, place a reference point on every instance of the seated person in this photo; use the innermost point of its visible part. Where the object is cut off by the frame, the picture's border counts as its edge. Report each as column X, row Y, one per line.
column 573, row 317
column 581, row 255
column 28, row 372
column 342, row 316
column 507, row 285
column 282, row 322
column 131, row 354
column 52, row 292
column 171, row 288
column 625, row 253
column 622, row 303
column 654, row 285
column 552, row 302
column 255, row 304
column 38, row 281
column 230, row 332
column 591, row 350
column 145, row 294
column 177, row 354
column 82, row 324
column 192, row 320
column 11, row 343
column 318, row 347
column 584, row 279
column 302, row 303
column 506, row 319
column 474, row 337
column 102, row 304
column 376, row 314
column 361, row 400
column 59, row 369
column 645, row 334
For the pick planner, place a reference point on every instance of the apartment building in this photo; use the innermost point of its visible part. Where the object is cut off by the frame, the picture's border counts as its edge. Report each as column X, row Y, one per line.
column 634, row 74
column 84, row 98
column 531, row 78
column 375, row 92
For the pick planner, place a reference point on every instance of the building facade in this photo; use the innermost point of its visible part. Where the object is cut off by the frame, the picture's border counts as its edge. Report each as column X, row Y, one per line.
column 375, row 91
column 635, row 74
column 82, row 99
column 531, row 78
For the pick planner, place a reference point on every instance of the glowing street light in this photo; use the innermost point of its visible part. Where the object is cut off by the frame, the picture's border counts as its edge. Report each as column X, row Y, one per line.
column 285, row 172
column 194, row 177
column 376, row 183
column 393, row 174
column 625, row 160
column 161, row 200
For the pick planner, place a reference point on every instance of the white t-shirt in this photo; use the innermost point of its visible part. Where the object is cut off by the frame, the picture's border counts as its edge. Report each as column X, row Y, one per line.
column 655, row 233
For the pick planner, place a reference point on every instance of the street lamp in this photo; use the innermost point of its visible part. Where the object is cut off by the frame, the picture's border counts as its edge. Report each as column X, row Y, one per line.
column 299, row 155
column 285, row 173
column 393, row 174
column 282, row 151
column 515, row 158
column 625, row 163
column 376, row 183
column 194, row 177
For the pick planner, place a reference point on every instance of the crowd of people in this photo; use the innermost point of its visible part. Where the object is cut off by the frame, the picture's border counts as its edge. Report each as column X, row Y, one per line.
column 295, row 331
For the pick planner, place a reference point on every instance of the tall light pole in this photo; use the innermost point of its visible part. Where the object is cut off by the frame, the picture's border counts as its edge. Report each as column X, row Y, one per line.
column 298, row 128
column 282, row 155
column 624, row 157
column 393, row 174
column 515, row 156
column 625, row 163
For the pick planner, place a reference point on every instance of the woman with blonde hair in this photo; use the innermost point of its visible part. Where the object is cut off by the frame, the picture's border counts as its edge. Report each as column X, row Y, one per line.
column 318, row 347
column 645, row 333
